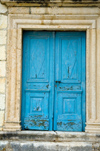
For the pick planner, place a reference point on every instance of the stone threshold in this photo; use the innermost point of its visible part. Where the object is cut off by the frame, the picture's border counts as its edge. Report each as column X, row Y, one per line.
column 50, row 136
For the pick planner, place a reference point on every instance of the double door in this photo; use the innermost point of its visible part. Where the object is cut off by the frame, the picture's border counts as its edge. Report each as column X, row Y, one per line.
column 53, row 81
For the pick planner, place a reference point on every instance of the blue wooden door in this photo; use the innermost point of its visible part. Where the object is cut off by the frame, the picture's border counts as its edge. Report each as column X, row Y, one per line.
column 37, row 80
column 69, row 107
column 53, row 81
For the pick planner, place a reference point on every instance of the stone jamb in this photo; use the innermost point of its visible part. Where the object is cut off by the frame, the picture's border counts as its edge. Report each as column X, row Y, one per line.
column 19, row 22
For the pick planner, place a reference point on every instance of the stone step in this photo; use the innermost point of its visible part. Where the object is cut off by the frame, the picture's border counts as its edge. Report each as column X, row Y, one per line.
column 45, row 146
column 49, row 141
column 50, row 136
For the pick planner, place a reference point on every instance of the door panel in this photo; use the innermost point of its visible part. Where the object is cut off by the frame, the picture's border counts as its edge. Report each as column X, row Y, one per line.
column 38, row 80
column 69, row 79
column 37, row 111
column 69, row 111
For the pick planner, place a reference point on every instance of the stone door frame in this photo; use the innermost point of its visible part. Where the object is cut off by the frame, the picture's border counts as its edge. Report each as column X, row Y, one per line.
column 74, row 22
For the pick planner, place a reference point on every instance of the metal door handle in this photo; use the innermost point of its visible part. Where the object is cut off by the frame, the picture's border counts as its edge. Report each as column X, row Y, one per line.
column 58, row 81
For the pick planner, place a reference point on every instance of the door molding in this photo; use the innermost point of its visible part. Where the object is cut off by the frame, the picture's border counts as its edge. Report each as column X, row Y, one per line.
column 19, row 22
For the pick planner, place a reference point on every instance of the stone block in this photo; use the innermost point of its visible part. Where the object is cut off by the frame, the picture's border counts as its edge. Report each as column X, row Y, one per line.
column 96, row 147
column 2, row 53
column 3, row 145
column 15, row 146
column 18, row 10
column 59, row 11
column 1, row 128
column 39, row 146
column 1, row 118
column 3, row 37
column 3, row 21
column 3, row 8
column 2, row 85
column 82, row 146
column 2, row 101
column 2, row 68
column 27, row 146
column 50, row 146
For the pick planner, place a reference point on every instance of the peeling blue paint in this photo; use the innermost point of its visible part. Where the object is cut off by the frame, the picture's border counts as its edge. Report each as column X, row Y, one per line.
column 53, row 81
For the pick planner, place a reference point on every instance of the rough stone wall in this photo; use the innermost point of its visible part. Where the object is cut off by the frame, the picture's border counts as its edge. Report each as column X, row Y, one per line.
column 3, row 38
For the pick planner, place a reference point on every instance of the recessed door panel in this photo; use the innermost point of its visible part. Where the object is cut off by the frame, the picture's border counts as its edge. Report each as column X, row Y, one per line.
column 37, row 111
column 69, row 116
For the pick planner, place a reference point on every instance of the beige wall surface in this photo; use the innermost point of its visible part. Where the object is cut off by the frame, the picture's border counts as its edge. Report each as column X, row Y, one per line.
column 16, row 19
column 3, row 37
